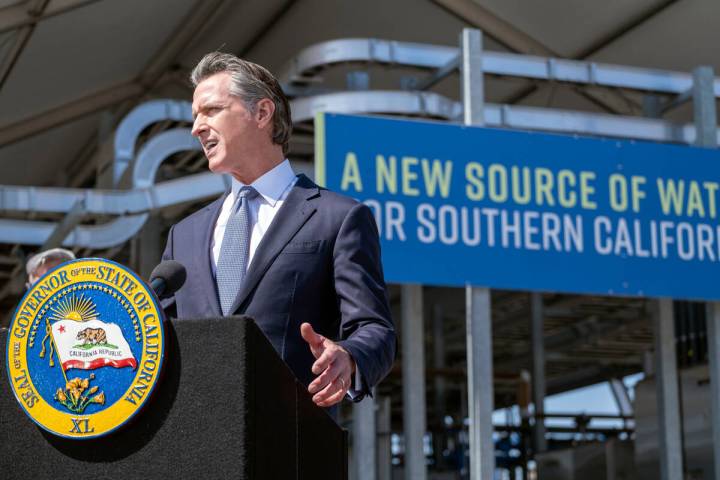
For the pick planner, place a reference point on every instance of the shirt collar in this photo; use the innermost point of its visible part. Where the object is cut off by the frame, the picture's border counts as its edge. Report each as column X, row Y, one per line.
column 272, row 184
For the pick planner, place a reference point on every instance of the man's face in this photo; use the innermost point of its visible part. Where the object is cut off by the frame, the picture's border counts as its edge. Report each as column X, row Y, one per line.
column 226, row 129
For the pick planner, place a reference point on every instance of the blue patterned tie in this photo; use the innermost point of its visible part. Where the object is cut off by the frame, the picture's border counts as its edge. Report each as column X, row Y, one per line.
column 235, row 250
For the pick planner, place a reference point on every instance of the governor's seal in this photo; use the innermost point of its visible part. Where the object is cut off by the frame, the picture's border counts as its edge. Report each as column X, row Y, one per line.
column 85, row 348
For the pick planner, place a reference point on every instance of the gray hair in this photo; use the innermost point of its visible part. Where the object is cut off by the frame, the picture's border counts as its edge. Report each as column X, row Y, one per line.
column 39, row 259
column 251, row 83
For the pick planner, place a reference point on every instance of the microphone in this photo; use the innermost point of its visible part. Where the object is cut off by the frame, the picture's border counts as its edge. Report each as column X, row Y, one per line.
column 167, row 278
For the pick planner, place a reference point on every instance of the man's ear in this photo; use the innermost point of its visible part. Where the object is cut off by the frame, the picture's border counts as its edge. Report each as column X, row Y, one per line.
column 264, row 111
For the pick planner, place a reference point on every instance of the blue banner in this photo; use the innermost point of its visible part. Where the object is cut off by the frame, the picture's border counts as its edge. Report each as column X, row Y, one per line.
column 506, row 209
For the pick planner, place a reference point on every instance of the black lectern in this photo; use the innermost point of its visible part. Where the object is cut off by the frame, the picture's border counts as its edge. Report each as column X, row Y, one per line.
column 227, row 407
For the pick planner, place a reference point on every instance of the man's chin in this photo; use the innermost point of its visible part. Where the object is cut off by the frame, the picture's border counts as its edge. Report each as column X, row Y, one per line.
column 216, row 166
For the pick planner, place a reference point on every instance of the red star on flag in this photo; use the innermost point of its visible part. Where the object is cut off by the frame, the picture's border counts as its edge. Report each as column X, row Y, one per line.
column 61, row 328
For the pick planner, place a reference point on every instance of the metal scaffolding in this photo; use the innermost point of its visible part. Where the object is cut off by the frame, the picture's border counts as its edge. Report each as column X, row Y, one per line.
column 135, row 196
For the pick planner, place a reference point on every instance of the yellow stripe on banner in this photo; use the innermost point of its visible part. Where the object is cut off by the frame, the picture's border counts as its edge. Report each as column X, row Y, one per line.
column 320, row 177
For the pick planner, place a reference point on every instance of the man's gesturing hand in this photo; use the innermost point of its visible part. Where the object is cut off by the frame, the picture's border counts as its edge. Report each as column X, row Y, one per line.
column 333, row 365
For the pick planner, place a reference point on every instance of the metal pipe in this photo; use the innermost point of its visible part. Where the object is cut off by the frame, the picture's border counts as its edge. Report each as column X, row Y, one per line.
column 119, row 230
column 432, row 105
column 314, row 58
column 139, row 118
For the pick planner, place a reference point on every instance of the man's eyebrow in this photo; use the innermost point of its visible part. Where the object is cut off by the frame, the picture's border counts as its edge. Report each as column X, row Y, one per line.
column 201, row 106
column 205, row 104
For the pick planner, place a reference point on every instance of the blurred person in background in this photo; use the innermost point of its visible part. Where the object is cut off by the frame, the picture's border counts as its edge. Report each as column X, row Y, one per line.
column 40, row 263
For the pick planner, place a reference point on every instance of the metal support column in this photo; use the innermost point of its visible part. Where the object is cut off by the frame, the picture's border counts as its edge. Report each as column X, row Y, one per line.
column 438, row 341
column 623, row 401
column 538, row 373
column 384, row 431
column 65, row 226
column 706, row 128
column 713, row 339
column 365, row 439
column 704, row 107
column 480, row 383
column 666, row 379
column 611, row 461
column 147, row 247
column 479, row 322
column 413, row 371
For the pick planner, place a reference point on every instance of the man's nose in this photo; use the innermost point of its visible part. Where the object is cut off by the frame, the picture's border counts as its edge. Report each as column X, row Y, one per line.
column 198, row 127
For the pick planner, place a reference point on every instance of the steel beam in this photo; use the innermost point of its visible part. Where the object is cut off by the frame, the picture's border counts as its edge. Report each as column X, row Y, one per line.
column 413, row 379
column 92, row 103
column 431, row 56
column 495, row 27
column 586, row 331
column 620, row 30
column 622, row 398
column 266, row 27
column 666, row 379
column 153, row 73
column 188, row 30
column 519, row 41
column 18, row 16
column 439, row 74
column 624, row 27
column 65, row 226
column 33, row 8
column 588, row 375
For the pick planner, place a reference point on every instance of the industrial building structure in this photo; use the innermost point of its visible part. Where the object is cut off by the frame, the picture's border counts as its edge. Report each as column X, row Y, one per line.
column 95, row 151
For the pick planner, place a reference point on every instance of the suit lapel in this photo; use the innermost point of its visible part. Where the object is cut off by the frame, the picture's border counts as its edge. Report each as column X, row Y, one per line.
column 203, row 237
column 295, row 211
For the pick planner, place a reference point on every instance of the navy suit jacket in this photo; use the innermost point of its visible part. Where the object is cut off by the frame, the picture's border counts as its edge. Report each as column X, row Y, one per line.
column 319, row 262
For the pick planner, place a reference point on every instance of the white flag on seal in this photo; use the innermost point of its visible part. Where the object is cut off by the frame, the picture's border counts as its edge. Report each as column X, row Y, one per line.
column 91, row 344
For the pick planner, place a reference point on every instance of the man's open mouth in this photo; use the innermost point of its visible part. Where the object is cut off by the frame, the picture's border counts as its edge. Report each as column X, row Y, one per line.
column 210, row 147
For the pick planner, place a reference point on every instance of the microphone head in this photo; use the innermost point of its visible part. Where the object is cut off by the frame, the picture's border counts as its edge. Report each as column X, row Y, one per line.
column 172, row 273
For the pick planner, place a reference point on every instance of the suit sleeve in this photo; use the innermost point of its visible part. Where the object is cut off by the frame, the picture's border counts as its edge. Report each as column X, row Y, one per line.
column 168, row 304
column 366, row 329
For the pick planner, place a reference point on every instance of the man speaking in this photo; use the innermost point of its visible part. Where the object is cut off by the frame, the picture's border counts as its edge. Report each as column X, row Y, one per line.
column 301, row 260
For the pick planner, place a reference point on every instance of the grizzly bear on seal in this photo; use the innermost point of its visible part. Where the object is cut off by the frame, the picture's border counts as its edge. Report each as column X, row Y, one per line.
column 92, row 335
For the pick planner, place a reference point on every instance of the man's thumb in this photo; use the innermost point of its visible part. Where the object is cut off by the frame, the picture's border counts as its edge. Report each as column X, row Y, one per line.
column 309, row 335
